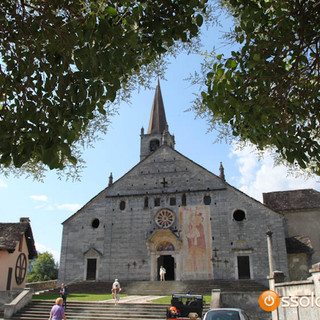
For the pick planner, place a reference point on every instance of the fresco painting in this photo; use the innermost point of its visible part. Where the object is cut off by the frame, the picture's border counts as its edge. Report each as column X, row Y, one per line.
column 196, row 233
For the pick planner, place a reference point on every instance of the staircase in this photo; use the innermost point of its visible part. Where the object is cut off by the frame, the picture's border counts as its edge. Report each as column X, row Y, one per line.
column 166, row 288
column 40, row 310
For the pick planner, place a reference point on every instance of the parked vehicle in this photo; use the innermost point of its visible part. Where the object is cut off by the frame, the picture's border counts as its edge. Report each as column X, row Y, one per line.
column 226, row 314
column 185, row 307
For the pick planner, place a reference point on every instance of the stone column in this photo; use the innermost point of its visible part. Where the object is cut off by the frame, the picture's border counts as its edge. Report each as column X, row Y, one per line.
column 270, row 258
column 153, row 267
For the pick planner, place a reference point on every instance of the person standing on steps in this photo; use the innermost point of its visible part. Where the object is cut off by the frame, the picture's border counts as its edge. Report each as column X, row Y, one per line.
column 162, row 273
column 64, row 293
column 57, row 311
column 116, row 291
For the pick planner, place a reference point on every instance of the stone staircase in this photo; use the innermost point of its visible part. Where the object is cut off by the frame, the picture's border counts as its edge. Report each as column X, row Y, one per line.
column 39, row 310
column 166, row 288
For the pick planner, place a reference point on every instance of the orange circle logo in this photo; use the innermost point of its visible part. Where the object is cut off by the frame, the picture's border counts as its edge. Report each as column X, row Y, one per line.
column 269, row 300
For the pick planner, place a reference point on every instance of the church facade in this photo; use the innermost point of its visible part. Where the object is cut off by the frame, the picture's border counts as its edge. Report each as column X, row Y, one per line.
column 169, row 211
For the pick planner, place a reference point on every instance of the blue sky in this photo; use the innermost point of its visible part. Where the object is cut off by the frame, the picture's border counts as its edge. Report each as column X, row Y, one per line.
column 50, row 203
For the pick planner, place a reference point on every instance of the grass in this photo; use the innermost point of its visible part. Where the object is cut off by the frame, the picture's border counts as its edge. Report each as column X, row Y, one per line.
column 74, row 297
column 99, row 297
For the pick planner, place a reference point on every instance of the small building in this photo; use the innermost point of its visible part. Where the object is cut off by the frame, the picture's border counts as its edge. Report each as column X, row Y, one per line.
column 17, row 248
column 301, row 212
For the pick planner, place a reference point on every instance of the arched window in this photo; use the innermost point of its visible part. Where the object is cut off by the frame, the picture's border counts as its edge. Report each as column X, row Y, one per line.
column 184, row 200
column 122, row 205
column 154, row 145
column 146, row 202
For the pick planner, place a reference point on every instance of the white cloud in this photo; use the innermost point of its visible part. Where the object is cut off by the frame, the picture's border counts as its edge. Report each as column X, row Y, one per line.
column 69, row 206
column 260, row 175
column 42, row 198
column 3, row 184
column 42, row 248
column 47, row 205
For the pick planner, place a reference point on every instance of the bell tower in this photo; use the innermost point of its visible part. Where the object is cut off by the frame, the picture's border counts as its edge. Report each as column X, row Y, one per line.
column 158, row 131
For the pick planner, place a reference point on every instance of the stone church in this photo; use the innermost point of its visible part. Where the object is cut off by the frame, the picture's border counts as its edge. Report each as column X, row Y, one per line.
column 169, row 211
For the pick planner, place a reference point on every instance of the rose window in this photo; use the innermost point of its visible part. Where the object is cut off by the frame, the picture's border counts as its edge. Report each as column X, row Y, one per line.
column 164, row 218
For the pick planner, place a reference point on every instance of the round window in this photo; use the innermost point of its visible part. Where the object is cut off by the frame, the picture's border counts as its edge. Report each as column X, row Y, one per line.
column 164, row 218
column 95, row 223
column 239, row 215
column 21, row 268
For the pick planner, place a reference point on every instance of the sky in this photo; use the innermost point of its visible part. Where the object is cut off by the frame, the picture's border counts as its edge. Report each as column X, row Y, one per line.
column 50, row 203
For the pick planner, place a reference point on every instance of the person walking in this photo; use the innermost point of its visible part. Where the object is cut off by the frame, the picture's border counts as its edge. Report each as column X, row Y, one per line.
column 64, row 293
column 57, row 311
column 162, row 273
column 115, row 290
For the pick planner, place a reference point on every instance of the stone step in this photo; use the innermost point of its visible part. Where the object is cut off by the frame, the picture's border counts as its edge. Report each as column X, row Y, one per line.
column 39, row 310
column 203, row 287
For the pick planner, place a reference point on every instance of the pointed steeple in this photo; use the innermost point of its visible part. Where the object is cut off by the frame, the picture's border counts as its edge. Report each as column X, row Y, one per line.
column 158, row 131
column 158, row 122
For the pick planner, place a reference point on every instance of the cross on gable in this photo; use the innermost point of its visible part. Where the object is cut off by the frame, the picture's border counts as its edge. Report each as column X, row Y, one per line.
column 215, row 251
column 164, row 182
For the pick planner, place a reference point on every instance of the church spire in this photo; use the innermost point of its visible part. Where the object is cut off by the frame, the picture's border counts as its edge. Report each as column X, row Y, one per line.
column 158, row 131
column 158, row 122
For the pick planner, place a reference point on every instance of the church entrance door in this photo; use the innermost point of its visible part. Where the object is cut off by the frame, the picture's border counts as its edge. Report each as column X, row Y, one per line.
column 243, row 267
column 167, row 261
column 91, row 269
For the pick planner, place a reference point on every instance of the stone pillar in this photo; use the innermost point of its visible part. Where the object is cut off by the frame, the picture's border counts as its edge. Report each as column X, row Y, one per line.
column 315, row 274
column 270, row 258
column 215, row 299
column 153, row 267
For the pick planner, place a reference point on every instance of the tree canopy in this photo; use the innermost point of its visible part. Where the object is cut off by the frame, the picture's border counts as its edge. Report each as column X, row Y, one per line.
column 43, row 268
column 63, row 62
column 267, row 92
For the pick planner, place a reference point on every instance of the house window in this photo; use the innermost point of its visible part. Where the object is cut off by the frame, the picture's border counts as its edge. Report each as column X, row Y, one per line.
column 172, row 201
column 207, row 200
column 157, row 202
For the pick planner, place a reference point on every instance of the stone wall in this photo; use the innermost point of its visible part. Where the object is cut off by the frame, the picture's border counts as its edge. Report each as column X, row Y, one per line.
column 43, row 285
column 298, row 300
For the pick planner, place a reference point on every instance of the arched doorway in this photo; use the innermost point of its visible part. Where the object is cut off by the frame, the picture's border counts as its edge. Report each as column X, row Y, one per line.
column 164, row 248
column 167, row 261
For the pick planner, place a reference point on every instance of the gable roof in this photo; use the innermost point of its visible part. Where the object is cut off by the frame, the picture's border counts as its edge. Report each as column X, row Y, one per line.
column 108, row 190
column 219, row 183
column 292, row 200
column 10, row 235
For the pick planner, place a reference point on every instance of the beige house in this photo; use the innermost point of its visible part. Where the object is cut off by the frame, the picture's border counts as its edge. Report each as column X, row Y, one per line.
column 17, row 248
